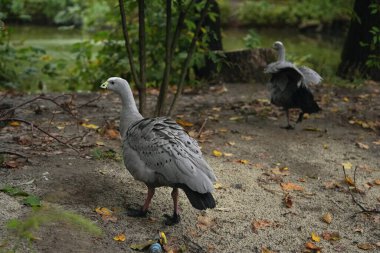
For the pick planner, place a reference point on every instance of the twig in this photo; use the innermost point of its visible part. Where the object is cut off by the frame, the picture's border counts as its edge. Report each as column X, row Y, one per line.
column 40, row 129
column 363, row 209
column 89, row 102
column 340, row 207
column 12, row 153
column 202, row 127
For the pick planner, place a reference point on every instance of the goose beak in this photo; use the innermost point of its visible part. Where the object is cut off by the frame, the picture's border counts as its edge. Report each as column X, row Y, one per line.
column 104, row 85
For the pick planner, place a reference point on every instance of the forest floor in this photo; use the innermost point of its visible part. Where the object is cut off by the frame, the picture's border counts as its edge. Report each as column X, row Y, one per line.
column 278, row 190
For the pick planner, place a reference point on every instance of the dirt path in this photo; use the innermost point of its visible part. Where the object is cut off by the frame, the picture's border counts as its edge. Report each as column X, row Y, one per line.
column 251, row 213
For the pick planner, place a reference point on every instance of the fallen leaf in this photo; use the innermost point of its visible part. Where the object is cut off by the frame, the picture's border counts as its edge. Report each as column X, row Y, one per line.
column 260, row 224
column 362, row 145
column 359, row 230
column 315, row 237
column 231, row 143
column 246, row 137
column 332, row 184
column 331, row 236
column 346, row 99
column 327, row 217
column 11, row 164
column 266, row 250
column 242, row 161
column 99, row 143
column 288, row 200
column 377, row 181
column 103, row 211
column 301, row 180
column 163, row 239
column 217, row 153
column 312, row 129
column 312, row 246
column 349, row 181
column 141, row 246
column 223, row 130
column 218, row 186
column 281, row 171
column 376, row 142
column 235, row 118
column 325, row 146
column 366, row 246
column 14, row 123
column 347, row 165
column 112, row 134
column 204, row 222
column 291, row 187
column 120, row 237
column 90, row 126
column 228, row 154
column 108, row 218
column 184, row 123
column 24, row 140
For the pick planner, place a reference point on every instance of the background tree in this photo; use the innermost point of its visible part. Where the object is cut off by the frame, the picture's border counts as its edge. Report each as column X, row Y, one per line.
column 361, row 51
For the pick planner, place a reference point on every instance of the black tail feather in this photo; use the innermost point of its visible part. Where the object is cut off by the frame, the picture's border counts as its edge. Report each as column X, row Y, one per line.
column 304, row 99
column 200, row 201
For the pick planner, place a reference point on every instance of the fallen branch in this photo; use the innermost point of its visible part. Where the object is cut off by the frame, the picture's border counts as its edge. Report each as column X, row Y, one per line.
column 13, row 153
column 363, row 209
column 40, row 129
column 89, row 102
column 202, row 127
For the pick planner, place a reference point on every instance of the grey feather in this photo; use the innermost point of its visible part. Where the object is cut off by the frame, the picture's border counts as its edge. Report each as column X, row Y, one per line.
column 310, row 76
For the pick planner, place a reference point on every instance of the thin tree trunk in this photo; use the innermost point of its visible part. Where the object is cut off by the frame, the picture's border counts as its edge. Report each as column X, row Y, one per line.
column 142, row 57
column 185, row 65
column 165, row 80
column 129, row 50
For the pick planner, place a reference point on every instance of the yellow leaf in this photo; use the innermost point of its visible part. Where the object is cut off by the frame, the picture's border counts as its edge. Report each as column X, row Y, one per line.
column 228, row 154
column 242, row 161
column 231, row 143
column 291, row 187
column 120, row 237
column 347, row 165
column 184, row 123
column 346, row 99
column 142, row 246
column 377, row 181
column 103, row 211
column 327, row 217
column 315, row 237
column 235, row 118
column 325, row 146
column 163, row 239
column 217, row 153
column 349, row 181
column 218, row 186
column 90, row 126
column 99, row 143
column 14, row 123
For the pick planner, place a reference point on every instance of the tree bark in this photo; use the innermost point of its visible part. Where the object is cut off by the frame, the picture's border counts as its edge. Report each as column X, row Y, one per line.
column 354, row 55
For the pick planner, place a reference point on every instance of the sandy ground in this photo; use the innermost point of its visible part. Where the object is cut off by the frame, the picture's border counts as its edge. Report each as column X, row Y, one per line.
column 251, row 213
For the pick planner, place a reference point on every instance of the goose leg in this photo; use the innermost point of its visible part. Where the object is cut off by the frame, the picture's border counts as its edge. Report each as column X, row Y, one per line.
column 288, row 127
column 172, row 220
column 144, row 209
column 300, row 117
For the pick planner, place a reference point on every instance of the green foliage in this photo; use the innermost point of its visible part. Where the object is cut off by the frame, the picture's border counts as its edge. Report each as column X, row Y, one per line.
column 13, row 191
column 110, row 154
column 25, row 229
column 32, row 201
column 373, row 60
column 293, row 12
column 252, row 39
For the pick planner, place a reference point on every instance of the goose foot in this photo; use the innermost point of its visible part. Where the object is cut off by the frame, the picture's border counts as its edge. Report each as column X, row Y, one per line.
column 172, row 220
column 132, row 212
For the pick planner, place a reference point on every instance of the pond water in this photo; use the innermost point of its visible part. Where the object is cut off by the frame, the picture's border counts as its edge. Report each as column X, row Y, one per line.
column 317, row 51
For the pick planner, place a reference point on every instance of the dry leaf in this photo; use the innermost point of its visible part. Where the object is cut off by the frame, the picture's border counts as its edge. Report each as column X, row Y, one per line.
column 312, row 246
column 120, row 237
column 99, row 143
column 281, row 171
column 349, row 181
column 231, row 143
column 223, row 130
column 291, row 187
column 246, row 137
column 242, row 161
column 366, row 246
column 301, row 180
column 217, row 153
column 260, row 224
column 112, row 134
column 346, row 99
column 332, row 184
column 266, row 250
column 327, row 217
column 312, row 129
column 11, row 164
column 288, row 200
column 108, row 218
column 331, row 236
column 14, row 123
column 376, row 142
column 228, row 154
column 103, row 211
column 362, row 145
column 90, row 126
column 218, row 186
column 325, row 146
column 347, row 165
column 24, row 140
column 235, row 118
column 184, row 123
column 204, row 222
column 377, row 181
column 315, row 237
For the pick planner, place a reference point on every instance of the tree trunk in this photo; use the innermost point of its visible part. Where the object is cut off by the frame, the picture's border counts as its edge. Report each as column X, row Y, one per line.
column 142, row 58
column 215, row 42
column 355, row 55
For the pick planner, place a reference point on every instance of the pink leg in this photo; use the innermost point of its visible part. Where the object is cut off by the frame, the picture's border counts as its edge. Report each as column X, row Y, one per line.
column 148, row 199
column 175, row 195
column 172, row 220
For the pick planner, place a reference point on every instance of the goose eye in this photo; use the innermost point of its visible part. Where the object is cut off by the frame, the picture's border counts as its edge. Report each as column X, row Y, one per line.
column 112, row 82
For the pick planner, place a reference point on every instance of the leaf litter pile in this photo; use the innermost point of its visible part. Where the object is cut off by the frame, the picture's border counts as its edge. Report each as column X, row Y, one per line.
column 314, row 189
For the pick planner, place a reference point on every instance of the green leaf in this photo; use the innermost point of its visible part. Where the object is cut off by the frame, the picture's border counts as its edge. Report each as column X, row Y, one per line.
column 13, row 191
column 32, row 201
